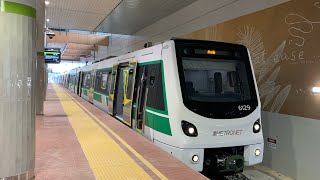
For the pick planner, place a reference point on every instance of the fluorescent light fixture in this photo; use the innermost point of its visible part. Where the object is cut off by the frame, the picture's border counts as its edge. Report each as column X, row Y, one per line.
column 47, row 3
column 316, row 89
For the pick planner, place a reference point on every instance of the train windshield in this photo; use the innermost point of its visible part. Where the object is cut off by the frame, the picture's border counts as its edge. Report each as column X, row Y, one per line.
column 216, row 78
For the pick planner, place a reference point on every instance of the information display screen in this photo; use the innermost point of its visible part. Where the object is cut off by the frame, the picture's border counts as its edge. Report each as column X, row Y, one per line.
column 52, row 55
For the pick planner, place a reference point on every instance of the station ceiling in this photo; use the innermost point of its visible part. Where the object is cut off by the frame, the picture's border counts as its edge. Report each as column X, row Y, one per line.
column 131, row 16
column 78, row 14
column 76, row 45
column 111, row 16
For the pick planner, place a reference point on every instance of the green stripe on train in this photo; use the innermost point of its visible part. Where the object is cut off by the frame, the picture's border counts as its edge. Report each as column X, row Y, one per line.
column 97, row 97
column 85, row 92
column 17, row 8
column 158, row 123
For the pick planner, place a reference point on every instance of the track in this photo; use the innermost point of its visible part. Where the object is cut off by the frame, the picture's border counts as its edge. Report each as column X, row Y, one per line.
column 236, row 177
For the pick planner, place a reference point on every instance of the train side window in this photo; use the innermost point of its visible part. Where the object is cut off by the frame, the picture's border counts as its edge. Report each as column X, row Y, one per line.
column 108, row 83
column 104, row 81
column 152, row 76
column 130, row 81
column 112, row 81
column 85, row 80
column 155, row 87
column 88, row 80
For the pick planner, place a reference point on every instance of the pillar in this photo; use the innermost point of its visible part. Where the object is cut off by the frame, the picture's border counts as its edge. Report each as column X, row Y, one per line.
column 40, row 64
column 17, row 80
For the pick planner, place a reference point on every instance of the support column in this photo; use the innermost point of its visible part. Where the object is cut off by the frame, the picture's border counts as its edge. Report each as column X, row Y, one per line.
column 17, row 80
column 40, row 73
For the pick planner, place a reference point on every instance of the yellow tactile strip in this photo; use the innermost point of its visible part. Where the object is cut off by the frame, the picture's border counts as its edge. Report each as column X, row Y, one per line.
column 106, row 158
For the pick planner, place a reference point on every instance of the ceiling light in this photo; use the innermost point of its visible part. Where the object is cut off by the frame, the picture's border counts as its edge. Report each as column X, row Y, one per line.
column 316, row 89
column 48, row 20
column 47, row 3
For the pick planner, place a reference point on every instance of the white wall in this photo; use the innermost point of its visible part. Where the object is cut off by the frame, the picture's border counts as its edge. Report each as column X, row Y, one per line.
column 297, row 145
column 201, row 14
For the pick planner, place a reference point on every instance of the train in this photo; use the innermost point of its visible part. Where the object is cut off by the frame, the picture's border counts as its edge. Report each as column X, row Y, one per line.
column 198, row 100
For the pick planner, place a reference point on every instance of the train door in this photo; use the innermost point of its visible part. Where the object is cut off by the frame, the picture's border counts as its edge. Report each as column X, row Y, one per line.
column 75, row 83
column 79, row 82
column 83, row 76
column 123, row 92
column 112, row 87
column 129, row 78
column 91, row 89
column 141, row 99
column 74, row 76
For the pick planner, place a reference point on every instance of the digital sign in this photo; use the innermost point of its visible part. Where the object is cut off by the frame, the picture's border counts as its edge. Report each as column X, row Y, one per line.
column 52, row 55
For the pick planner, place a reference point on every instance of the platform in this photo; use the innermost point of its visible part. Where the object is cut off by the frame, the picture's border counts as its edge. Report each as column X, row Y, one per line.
column 76, row 140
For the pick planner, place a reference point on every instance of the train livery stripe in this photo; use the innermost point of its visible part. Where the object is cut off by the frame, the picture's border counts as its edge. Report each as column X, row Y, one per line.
column 85, row 91
column 17, row 8
column 101, row 151
column 156, row 120
column 158, row 123
column 97, row 97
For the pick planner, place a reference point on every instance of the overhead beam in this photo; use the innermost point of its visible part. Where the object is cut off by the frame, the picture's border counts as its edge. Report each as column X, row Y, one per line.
column 75, row 46
column 66, row 54
column 73, row 51
column 70, row 58
column 90, row 39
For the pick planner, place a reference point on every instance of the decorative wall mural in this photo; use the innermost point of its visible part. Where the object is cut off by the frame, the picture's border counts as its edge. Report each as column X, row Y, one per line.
column 284, row 46
column 268, row 89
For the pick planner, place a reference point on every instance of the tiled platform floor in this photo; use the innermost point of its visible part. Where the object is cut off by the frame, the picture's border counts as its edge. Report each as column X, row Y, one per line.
column 59, row 154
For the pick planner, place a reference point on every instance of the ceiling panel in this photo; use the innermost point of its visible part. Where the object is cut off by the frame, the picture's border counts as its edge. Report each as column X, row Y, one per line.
column 79, row 14
column 131, row 16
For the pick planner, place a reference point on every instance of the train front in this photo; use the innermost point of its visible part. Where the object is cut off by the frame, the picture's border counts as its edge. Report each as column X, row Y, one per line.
column 215, row 114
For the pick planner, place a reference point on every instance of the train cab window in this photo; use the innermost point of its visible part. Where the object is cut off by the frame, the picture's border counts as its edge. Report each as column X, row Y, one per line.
column 104, row 80
column 215, row 80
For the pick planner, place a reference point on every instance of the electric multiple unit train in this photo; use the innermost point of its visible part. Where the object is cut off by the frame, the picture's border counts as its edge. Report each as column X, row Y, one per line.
column 197, row 100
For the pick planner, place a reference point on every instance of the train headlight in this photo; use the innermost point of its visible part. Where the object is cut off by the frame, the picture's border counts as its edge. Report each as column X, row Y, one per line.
column 189, row 129
column 256, row 126
column 195, row 158
column 257, row 152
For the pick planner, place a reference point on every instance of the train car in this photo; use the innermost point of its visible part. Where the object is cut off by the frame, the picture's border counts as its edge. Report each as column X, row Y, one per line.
column 198, row 100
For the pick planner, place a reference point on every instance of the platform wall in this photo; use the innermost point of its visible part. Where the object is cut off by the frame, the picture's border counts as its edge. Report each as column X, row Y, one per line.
column 296, row 152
